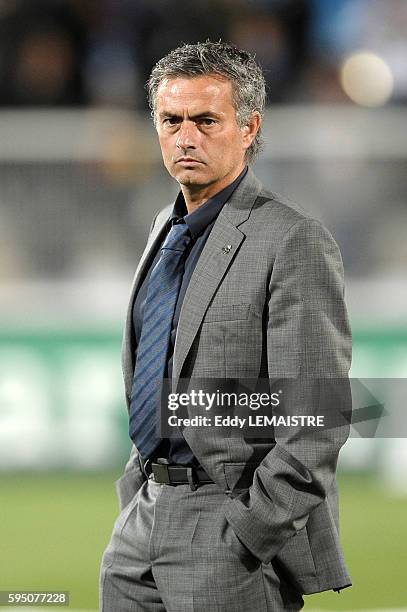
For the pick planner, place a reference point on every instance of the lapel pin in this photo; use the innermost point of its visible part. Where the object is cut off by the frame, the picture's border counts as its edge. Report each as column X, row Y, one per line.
column 226, row 249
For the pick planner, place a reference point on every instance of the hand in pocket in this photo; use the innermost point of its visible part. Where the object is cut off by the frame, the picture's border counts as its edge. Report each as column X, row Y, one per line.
column 240, row 550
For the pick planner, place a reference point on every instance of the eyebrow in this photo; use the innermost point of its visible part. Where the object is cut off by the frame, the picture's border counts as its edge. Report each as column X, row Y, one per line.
column 167, row 114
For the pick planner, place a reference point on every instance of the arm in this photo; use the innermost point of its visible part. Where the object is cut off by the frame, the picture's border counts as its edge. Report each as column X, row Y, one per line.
column 308, row 339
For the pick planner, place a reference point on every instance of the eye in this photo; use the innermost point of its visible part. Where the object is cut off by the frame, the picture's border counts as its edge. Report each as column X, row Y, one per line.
column 170, row 121
column 207, row 121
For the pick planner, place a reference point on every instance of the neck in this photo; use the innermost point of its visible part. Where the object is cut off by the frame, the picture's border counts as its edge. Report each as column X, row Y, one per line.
column 196, row 195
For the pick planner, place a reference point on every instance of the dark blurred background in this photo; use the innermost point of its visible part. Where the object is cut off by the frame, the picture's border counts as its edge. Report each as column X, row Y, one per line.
column 80, row 180
column 75, row 133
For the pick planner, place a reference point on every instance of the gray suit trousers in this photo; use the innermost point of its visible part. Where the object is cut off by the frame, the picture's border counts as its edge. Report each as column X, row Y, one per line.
column 173, row 550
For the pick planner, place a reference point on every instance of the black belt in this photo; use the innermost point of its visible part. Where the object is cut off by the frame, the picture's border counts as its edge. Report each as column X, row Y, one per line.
column 177, row 474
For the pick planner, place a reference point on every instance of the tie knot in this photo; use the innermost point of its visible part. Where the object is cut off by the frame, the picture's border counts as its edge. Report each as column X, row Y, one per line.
column 178, row 238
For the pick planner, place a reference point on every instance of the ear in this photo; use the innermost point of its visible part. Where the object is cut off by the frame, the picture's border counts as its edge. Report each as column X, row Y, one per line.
column 251, row 128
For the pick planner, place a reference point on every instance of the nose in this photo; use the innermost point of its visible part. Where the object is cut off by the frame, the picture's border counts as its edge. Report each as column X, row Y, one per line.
column 186, row 138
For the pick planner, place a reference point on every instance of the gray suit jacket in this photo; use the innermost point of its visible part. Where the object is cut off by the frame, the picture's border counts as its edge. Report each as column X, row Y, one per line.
column 275, row 299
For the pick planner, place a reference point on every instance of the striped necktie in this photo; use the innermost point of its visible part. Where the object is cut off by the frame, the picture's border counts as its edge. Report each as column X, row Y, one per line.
column 162, row 293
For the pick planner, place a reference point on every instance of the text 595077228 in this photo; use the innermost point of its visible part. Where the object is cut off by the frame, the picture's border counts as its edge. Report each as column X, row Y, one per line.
column 34, row 598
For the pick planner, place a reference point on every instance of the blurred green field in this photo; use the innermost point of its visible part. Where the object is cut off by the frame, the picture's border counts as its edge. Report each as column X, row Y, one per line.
column 54, row 528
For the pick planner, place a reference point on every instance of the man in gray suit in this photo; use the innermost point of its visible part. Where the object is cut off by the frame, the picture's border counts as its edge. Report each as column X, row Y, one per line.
column 234, row 283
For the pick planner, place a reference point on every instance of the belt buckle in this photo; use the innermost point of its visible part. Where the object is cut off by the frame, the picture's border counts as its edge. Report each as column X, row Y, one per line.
column 160, row 472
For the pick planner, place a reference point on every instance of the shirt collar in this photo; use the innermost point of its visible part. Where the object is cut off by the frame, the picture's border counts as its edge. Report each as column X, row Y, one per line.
column 202, row 216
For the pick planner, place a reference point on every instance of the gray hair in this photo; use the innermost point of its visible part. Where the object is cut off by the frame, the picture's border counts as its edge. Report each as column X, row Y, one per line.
column 246, row 76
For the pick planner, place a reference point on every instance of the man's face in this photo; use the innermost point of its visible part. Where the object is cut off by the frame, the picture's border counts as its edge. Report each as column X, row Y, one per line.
column 201, row 142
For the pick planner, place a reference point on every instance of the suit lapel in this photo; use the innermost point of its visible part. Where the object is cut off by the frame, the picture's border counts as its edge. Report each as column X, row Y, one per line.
column 218, row 253
column 209, row 271
column 154, row 239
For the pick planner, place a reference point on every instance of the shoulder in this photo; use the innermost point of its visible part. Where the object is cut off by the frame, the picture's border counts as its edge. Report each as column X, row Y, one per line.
column 282, row 218
column 281, row 225
column 273, row 207
column 266, row 208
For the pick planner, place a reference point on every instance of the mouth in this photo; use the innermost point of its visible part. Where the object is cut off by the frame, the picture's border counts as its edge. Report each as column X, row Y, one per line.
column 189, row 161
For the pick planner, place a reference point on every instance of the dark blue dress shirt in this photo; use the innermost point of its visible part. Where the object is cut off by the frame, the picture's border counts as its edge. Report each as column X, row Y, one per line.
column 200, row 223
